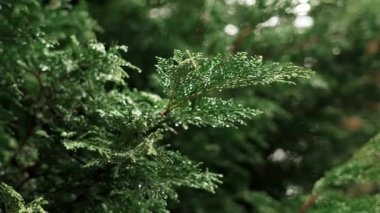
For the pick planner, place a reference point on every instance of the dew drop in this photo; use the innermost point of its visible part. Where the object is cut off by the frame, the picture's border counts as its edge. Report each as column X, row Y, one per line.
column 185, row 127
column 44, row 67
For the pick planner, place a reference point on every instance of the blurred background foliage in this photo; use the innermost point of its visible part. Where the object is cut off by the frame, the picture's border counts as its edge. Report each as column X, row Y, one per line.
column 305, row 130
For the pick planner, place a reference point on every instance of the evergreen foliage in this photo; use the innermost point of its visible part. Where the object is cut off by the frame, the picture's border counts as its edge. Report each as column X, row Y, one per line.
column 353, row 186
column 13, row 202
column 91, row 126
column 74, row 133
column 317, row 124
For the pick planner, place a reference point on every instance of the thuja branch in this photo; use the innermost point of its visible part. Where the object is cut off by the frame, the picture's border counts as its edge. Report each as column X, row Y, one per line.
column 309, row 203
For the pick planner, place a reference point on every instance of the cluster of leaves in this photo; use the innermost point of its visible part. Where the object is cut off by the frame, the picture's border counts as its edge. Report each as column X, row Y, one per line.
column 187, row 79
column 73, row 132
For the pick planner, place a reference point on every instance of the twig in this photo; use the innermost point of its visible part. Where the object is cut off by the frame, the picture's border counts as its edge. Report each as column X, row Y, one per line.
column 309, row 202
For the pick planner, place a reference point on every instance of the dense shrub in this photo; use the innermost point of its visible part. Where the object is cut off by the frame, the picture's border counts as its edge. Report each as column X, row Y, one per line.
column 88, row 126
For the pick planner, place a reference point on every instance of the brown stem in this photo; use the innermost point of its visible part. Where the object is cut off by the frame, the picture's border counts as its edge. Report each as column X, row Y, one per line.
column 309, row 202
column 168, row 108
column 240, row 38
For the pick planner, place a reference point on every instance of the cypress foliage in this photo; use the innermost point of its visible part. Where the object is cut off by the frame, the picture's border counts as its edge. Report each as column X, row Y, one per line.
column 76, row 137
column 87, row 126
column 352, row 186
column 317, row 125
